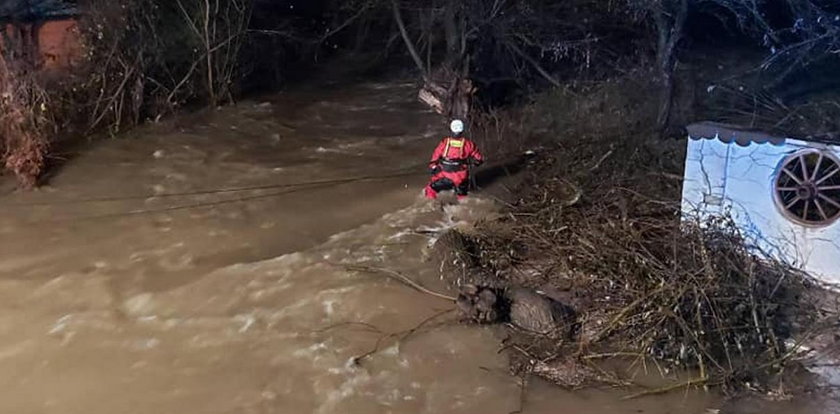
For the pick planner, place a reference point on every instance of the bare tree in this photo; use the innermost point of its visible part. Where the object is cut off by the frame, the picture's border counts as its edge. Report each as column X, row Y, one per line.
column 146, row 57
column 540, row 39
column 670, row 18
column 219, row 26
column 813, row 37
column 409, row 43
column 522, row 39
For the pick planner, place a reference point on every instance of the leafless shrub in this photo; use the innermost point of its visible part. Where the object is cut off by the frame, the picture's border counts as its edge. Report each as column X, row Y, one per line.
column 147, row 57
column 25, row 127
column 502, row 133
column 219, row 26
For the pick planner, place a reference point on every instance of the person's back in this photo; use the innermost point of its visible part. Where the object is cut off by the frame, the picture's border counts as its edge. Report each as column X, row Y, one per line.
column 450, row 163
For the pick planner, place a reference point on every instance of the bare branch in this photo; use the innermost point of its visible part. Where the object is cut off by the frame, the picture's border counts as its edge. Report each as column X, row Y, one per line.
column 409, row 44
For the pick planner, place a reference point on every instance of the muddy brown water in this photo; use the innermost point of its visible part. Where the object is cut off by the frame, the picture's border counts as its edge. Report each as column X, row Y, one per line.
column 200, row 266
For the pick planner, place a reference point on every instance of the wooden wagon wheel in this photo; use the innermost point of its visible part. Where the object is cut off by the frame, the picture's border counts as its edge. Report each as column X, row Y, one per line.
column 807, row 187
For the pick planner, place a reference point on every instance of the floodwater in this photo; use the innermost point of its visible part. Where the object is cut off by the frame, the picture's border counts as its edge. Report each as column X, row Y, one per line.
column 205, row 265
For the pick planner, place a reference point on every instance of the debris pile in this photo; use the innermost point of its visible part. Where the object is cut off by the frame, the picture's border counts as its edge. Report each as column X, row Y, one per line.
column 598, row 229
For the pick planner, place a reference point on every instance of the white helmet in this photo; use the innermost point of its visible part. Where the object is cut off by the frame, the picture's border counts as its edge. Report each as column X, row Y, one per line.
column 457, row 126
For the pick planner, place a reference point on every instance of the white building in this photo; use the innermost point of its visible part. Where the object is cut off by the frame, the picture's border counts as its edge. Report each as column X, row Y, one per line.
column 783, row 193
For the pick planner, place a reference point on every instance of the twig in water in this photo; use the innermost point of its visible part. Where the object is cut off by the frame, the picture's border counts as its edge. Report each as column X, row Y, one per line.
column 393, row 274
column 523, row 391
column 403, row 335
column 663, row 390
column 370, row 327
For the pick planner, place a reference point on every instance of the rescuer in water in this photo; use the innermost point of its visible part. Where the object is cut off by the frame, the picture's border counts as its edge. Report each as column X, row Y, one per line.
column 451, row 161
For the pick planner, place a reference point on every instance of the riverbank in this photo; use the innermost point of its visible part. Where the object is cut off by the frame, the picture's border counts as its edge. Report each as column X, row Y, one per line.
column 597, row 227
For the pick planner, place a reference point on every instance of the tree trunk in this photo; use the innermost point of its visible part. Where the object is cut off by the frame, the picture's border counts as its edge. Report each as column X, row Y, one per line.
column 670, row 34
column 453, row 37
column 211, row 82
column 461, row 96
column 409, row 44
column 363, row 31
column 533, row 62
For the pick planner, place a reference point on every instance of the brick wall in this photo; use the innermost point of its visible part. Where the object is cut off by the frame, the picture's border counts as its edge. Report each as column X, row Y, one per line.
column 53, row 44
column 59, row 44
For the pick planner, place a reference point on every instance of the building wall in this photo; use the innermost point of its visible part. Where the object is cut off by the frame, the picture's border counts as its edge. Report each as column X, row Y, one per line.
column 727, row 178
column 59, row 44
column 51, row 45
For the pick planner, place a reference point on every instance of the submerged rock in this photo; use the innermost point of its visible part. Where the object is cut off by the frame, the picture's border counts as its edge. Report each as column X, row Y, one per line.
column 537, row 313
column 524, row 308
column 479, row 304
column 567, row 373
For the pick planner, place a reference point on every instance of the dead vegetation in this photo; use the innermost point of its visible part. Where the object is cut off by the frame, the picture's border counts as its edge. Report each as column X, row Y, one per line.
column 25, row 128
column 143, row 59
column 598, row 227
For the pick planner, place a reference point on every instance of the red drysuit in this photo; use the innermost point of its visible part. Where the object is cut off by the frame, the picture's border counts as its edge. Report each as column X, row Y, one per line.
column 450, row 166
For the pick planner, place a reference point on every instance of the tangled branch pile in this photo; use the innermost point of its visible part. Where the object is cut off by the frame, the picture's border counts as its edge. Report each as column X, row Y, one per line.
column 600, row 226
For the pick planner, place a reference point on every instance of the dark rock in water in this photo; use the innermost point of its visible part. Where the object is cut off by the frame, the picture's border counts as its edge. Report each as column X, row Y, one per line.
column 537, row 313
column 479, row 304
column 526, row 309
column 567, row 373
